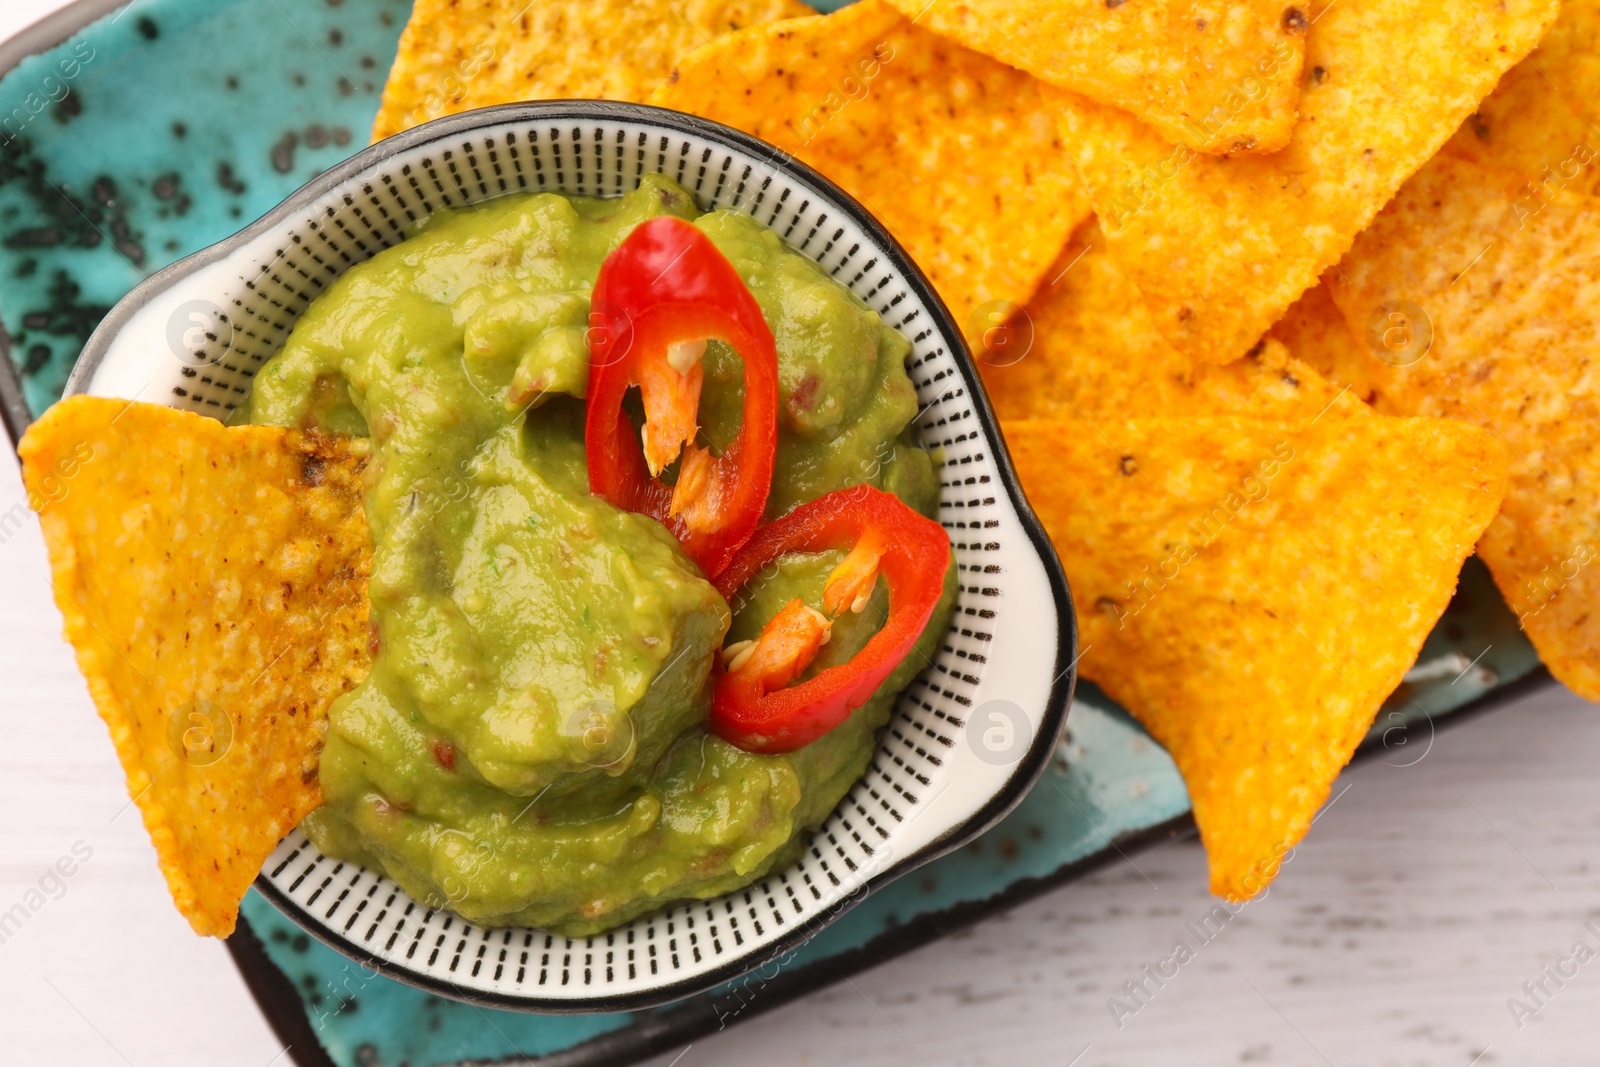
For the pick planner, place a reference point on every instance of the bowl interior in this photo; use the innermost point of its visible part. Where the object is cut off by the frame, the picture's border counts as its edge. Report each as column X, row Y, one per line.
column 969, row 735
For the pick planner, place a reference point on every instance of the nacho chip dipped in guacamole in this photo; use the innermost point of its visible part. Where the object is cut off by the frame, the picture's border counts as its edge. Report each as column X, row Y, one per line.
column 214, row 583
column 955, row 153
column 1220, row 247
column 1252, row 591
column 540, row 740
column 1085, row 348
column 1497, row 293
column 456, row 55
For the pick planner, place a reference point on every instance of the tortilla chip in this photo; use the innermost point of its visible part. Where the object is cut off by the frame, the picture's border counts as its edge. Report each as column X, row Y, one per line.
column 1215, row 78
column 1314, row 329
column 1511, row 289
column 1221, row 247
column 213, row 582
column 1543, row 119
column 1252, row 591
column 956, row 154
column 1085, row 348
column 456, row 55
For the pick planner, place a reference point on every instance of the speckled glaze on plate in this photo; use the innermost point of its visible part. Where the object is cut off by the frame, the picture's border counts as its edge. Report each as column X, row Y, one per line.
column 83, row 174
column 155, row 130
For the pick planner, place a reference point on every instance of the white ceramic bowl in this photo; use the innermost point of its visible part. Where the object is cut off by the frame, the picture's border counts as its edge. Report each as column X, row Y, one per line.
column 969, row 737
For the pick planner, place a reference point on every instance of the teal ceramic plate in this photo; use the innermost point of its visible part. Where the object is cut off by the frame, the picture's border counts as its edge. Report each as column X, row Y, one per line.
column 132, row 136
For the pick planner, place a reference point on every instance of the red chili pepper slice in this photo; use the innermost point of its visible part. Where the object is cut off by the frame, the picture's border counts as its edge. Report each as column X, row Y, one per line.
column 660, row 296
column 752, row 703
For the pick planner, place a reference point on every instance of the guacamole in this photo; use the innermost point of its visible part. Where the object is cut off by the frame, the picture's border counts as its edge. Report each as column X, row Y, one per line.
column 530, row 747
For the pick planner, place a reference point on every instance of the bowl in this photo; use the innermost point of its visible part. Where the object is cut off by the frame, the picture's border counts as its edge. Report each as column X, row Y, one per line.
column 968, row 738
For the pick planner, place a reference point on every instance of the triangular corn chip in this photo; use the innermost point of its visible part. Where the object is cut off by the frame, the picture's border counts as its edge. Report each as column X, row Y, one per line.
column 1508, row 291
column 213, row 582
column 1215, row 78
column 456, row 55
column 1252, row 591
column 1221, row 247
column 956, row 154
column 1084, row 348
column 1543, row 119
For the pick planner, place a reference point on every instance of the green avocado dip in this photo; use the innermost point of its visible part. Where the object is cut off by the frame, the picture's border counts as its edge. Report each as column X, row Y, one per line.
column 530, row 747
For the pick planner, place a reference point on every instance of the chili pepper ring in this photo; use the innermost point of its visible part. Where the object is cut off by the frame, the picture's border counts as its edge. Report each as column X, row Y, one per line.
column 752, row 704
column 660, row 296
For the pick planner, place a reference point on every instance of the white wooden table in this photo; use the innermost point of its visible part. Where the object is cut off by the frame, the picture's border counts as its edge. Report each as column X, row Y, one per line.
column 1423, row 901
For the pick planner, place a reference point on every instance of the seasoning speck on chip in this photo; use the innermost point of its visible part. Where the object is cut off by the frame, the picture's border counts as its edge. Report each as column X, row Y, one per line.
column 1315, row 330
column 213, row 582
